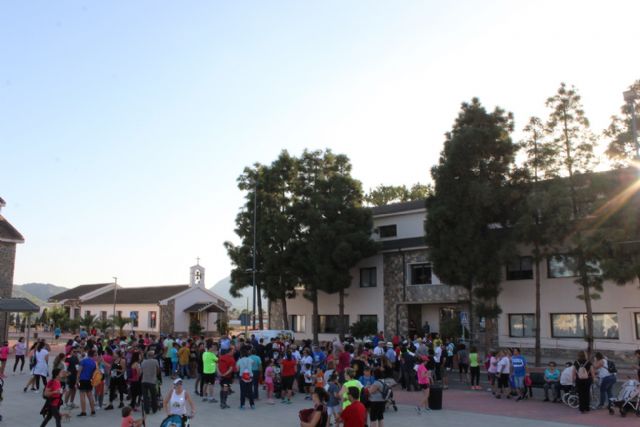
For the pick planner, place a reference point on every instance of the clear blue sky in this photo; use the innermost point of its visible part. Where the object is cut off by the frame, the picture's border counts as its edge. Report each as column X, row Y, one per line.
column 124, row 125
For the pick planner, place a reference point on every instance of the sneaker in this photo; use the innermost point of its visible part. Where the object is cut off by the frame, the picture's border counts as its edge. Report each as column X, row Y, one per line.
column 242, row 407
column 213, row 400
column 418, row 410
column 108, row 408
column 253, row 406
column 82, row 414
column 204, row 399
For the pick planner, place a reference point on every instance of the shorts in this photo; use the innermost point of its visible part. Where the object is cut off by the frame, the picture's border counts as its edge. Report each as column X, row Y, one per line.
column 85, row 385
column 376, row 411
column 424, row 386
column 225, row 381
column 463, row 368
column 503, row 380
column 334, row 410
column 287, row 383
column 518, row 382
column 71, row 381
column 269, row 387
column 209, row 378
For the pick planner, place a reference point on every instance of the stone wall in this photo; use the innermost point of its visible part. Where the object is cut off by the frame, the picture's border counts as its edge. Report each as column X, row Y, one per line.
column 166, row 317
column 7, row 262
column 398, row 295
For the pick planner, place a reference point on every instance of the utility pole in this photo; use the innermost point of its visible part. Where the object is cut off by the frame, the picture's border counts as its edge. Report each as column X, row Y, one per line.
column 253, row 269
column 113, row 317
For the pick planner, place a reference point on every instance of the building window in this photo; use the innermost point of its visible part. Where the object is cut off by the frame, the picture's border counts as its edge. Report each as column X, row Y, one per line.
column 368, row 277
column 369, row 318
column 573, row 325
column 297, row 323
column 521, row 325
column 103, row 315
column 637, row 315
column 328, row 324
column 134, row 318
column 520, row 268
column 152, row 319
column 420, row 274
column 87, row 313
column 565, row 266
column 388, row 231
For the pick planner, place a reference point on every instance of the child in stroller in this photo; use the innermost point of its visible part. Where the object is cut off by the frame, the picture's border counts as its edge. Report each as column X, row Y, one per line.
column 628, row 399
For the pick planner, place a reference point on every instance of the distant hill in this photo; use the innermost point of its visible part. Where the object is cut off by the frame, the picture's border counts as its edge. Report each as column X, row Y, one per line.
column 39, row 293
column 222, row 288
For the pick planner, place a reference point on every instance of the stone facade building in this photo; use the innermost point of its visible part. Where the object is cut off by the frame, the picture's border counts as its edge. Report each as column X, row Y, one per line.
column 9, row 238
column 398, row 290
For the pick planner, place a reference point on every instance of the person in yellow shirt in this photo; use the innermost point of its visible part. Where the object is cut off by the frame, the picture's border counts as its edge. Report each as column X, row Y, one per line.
column 183, row 360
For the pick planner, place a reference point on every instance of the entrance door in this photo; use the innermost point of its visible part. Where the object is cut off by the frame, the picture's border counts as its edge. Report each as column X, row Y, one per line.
column 415, row 319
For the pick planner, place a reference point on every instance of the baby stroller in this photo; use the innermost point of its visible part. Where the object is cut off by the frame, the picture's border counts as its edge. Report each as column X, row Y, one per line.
column 387, row 391
column 175, row 421
column 628, row 399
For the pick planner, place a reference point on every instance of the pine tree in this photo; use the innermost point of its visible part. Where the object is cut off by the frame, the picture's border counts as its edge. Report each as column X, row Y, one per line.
column 471, row 206
column 622, row 148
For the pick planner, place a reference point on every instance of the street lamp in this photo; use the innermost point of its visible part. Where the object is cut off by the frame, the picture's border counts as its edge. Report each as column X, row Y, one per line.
column 631, row 96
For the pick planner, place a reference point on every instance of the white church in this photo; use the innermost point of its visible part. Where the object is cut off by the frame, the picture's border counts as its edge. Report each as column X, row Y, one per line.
column 153, row 309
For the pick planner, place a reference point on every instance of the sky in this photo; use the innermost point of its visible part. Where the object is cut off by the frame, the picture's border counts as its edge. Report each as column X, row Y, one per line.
column 124, row 125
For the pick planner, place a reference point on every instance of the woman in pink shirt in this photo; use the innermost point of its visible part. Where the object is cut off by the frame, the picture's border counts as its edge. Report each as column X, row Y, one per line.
column 424, row 379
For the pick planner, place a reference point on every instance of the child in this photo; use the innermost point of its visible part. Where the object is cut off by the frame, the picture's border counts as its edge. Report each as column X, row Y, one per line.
column 127, row 418
column 319, row 378
column 268, row 381
column 333, row 404
column 367, row 379
column 308, row 381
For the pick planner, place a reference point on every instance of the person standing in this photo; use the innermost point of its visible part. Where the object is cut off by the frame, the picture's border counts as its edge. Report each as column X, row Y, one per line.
column 503, row 368
column 150, row 373
column 226, row 365
column 245, row 368
column 424, row 381
column 184, row 355
column 117, row 384
column 474, row 368
column 167, row 345
column 86, row 369
column 57, row 332
column 257, row 371
column 20, row 349
column 354, row 414
column 606, row 377
column 209, row 369
column 519, row 364
column 53, row 393
column 583, row 375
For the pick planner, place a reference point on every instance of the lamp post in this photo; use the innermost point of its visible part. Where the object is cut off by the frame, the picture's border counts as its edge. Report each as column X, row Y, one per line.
column 631, row 96
column 113, row 317
column 253, row 269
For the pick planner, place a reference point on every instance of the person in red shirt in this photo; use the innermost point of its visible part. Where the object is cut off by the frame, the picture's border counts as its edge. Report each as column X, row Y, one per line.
column 288, row 366
column 354, row 415
column 226, row 366
column 53, row 393
column 344, row 362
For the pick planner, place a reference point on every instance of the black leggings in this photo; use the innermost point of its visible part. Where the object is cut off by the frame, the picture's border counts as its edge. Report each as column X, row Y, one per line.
column 117, row 386
column 38, row 378
column 475, row 375
column 136, row 393
column 21, row 360
column 52, row 413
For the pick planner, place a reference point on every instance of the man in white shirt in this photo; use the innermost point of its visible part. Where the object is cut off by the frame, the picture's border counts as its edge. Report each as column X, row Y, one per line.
column 566, row 379
column 504, row 367
column 378, row 352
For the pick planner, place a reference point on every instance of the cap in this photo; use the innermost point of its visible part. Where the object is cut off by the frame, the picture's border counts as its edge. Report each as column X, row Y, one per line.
column 177, row 381
column 390, row 344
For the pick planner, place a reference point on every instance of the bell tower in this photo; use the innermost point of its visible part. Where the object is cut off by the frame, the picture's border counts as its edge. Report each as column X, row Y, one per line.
column 196, row 275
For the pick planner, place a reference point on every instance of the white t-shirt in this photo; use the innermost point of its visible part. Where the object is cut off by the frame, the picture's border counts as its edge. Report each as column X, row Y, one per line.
column 437, row 354
column 378, row 351
column 566, row 377
column 306, row 360
column 603, row 372
column 504, row 365
column 493, row 365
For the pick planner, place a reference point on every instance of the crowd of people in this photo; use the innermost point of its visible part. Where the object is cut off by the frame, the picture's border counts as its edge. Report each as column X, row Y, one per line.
column 347, row 382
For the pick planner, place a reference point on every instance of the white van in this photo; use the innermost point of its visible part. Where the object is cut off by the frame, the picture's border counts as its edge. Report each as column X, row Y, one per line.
column 267, row 334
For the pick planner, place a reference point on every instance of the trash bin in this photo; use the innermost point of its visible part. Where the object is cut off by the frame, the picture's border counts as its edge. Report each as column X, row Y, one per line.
column 435, row 397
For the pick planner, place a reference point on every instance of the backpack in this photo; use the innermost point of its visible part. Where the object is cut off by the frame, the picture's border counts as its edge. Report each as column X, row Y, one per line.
column 96, row 378
column 385, row 390
column 583, row 374
column 611, row 367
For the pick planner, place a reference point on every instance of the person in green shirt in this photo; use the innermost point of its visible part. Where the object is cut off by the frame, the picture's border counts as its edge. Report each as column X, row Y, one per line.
column 209, row 369
column 350, row 381
column 474, row 368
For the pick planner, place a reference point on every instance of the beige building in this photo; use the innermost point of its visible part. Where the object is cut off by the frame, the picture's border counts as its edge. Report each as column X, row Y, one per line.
column 398, row 289
column 153, row 309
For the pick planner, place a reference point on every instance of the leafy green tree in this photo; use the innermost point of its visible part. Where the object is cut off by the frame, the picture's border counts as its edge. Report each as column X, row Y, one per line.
column 385, row 194
column 120, row 322
column 275, row 232
column 363, row 328
column 541, row 201
column 573, row 144
column 622, row 149
column 88, row 321
column 334, row 230
column 103, row 325
column 471, row 203
column 58, row 316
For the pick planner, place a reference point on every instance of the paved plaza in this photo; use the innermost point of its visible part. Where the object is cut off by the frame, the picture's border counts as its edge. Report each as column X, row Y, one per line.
column 461, row 408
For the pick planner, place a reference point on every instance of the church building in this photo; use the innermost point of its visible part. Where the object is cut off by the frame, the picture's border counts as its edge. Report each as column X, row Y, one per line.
column 153, row 309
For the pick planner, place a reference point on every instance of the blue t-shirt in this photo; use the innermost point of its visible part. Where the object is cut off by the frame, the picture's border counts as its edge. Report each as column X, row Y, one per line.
column 552, row 374
column 519, row 363
column 173, row 354
column 88, row 365
column 367, row 381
